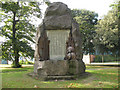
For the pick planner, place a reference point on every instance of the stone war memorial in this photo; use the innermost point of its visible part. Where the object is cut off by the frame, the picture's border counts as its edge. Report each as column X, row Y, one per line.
column 58, row 50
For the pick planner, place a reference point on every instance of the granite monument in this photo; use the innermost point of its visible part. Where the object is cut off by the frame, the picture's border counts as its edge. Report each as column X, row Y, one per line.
column 58, row 50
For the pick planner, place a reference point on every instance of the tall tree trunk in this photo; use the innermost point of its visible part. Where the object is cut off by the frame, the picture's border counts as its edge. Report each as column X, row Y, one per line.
column 14, row 42
column 17, row 59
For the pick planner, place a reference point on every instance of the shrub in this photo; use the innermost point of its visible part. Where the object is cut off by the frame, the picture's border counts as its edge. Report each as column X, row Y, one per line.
column 16, row 66
column 21, row 62
column 28, row 62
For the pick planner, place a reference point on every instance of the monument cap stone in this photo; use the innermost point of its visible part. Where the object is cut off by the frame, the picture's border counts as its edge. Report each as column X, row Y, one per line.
column 58, row 16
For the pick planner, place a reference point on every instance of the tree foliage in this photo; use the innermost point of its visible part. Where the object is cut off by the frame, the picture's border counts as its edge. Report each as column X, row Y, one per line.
column 18, row 30
column 116, row 5
column 87, row 21
column 107, row 33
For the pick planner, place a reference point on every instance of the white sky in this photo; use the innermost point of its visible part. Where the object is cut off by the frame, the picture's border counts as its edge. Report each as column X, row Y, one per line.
column 99, row 6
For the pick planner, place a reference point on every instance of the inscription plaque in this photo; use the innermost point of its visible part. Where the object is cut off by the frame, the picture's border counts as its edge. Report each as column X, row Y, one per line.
column 57, row 46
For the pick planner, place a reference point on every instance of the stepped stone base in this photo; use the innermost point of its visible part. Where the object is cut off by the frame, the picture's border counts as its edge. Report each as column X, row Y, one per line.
column 60, row 77
column 46, row 78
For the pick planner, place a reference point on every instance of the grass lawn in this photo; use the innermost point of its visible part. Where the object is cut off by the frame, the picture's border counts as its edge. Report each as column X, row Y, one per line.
column 100, row 77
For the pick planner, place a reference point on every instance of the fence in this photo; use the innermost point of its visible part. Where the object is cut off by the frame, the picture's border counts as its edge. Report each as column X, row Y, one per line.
column 106, row 58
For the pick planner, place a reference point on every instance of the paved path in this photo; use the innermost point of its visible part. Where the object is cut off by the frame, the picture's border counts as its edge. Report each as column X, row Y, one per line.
column 103, row 68
column 108, row 63
column 5, row 66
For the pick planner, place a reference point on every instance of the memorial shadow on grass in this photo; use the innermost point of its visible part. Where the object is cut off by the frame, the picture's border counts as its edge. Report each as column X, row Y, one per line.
column 95, row 78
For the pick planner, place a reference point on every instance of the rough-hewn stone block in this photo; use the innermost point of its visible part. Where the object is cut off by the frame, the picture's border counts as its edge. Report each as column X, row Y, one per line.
column 59, row 67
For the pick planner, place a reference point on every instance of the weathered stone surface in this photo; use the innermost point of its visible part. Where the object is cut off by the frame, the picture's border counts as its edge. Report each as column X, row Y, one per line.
column 57, row 16
column 51, row 67
column 59, row 67
column 77, row 39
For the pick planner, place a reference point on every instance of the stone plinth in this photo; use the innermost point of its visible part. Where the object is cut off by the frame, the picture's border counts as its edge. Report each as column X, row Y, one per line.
column 59, row 68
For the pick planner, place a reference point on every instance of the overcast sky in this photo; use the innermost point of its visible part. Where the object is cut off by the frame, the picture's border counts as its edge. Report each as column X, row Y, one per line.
column 99, row 6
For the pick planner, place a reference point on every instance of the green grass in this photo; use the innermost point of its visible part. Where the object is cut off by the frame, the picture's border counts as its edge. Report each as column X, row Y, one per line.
column 99, row 78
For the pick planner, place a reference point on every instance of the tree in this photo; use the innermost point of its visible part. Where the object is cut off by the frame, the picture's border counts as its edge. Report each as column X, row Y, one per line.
column 116, row 6
column 0, row 50
column 18, row 30
column 87, row 21
column 107, row 33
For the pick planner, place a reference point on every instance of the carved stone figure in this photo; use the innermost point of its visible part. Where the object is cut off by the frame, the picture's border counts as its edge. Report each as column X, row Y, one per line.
column 70, row 48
